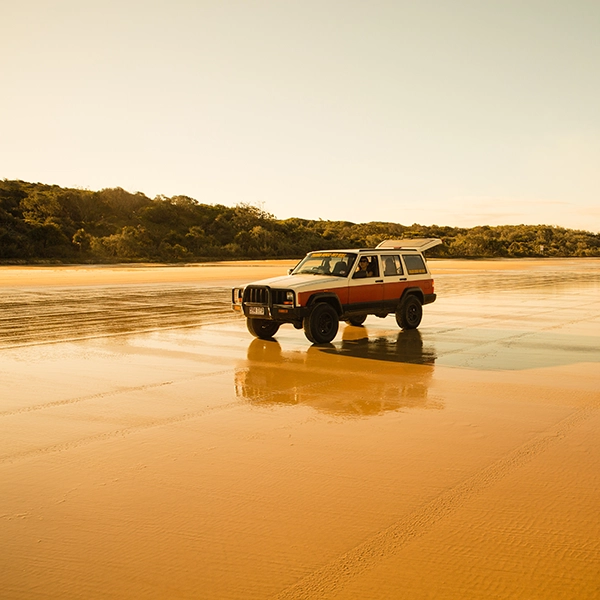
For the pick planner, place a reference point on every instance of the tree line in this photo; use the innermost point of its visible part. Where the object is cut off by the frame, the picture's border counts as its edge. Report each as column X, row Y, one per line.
column 48, row 223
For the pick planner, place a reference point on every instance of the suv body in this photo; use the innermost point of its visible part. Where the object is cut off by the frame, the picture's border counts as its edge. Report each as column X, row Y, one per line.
column 327, row 286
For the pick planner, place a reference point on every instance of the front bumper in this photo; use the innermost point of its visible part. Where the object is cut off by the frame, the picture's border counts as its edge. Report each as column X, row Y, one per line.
column 285, row 314
column 263, row 302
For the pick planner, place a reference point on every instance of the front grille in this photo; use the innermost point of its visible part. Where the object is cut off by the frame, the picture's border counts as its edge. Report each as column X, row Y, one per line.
column 256, row 295
column 260, row 295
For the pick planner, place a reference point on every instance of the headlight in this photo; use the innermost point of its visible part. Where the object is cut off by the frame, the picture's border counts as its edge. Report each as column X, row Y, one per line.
column 236, row 295
column 289, row 298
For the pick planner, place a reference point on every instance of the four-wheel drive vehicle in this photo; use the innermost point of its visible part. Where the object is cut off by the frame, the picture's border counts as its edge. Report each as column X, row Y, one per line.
column 332, row 285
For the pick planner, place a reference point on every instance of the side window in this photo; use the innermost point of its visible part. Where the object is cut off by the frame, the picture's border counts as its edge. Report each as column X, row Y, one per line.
column 392, row 265
column 374, row 266
column 414, row 264
column 367, row 266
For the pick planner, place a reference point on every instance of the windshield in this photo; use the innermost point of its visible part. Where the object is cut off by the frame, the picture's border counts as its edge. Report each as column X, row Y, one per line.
column 326, row 263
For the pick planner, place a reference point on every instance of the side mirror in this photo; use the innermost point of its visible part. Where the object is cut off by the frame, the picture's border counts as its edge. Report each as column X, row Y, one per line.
column 290, row 271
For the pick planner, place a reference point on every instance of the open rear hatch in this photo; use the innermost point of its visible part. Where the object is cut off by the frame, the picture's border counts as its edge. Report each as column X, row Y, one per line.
column 419, row 244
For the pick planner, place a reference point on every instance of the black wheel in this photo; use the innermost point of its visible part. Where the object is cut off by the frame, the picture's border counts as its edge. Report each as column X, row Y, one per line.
column 409, row 313
column 262, row 328
column 357, row 321
column 321, row 325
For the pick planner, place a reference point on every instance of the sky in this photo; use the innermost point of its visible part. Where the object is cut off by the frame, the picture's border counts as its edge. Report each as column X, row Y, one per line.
column 447, row 112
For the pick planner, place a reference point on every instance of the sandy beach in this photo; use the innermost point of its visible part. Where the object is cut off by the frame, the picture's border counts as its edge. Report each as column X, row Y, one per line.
column 151, row 448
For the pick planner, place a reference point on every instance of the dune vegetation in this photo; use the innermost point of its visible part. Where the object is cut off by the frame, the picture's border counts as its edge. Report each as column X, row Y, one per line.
column 42, row 223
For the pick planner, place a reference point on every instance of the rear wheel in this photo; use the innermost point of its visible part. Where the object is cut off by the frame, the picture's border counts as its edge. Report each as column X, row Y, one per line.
column 409, row 313
column 357, row 321
column 262, row 328
column 321, row 325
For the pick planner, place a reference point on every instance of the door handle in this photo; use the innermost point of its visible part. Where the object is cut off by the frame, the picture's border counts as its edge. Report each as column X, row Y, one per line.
column 379, row 281
column 402, row 279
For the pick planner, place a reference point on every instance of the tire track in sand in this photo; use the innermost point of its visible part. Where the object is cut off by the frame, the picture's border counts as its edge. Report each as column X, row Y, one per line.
column 115, row 433
column 334, row 576
column 124, row 431
column 99, row 395
column 76, row 400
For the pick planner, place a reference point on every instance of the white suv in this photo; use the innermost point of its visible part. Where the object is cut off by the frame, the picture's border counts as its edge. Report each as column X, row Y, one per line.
column 327, row 286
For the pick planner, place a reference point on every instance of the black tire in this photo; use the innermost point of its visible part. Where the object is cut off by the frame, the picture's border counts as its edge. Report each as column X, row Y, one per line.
column 321, row 325
column 262, row 328
column 357, row 321
column 409, row 313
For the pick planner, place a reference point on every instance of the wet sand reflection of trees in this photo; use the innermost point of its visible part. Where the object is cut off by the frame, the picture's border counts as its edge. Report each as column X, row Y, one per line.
column 38, row 315
column 360, row 377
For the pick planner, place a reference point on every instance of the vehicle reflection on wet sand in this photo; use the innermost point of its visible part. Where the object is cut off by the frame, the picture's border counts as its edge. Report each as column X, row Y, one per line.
column 400, row 347
column 337, row 380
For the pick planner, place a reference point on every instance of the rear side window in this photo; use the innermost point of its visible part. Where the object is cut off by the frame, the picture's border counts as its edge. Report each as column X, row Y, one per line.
column 414, row 264
column 392, row 265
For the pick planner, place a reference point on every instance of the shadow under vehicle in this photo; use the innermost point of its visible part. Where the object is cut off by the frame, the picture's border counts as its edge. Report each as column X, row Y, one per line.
column 359, row 377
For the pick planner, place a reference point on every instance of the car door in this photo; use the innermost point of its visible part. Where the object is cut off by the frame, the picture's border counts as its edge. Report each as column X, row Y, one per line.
column 416, row 272
column 394, row 280
column 366, row 292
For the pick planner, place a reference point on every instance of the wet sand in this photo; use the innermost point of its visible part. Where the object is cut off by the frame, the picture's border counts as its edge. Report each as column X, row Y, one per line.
column 150, row 448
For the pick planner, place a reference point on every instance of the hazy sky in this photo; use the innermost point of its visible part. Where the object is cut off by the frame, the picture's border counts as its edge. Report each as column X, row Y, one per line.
column 447, row 112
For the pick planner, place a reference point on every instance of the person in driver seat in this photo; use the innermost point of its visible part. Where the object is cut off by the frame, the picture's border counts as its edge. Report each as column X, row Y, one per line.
column 363, row 268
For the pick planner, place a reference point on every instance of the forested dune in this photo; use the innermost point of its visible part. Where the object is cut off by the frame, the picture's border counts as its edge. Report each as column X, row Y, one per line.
column 48, row 223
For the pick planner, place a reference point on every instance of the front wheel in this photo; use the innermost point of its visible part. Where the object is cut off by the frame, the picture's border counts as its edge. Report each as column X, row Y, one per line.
column 321, row 325
column 409, row 313
column 262, row 328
